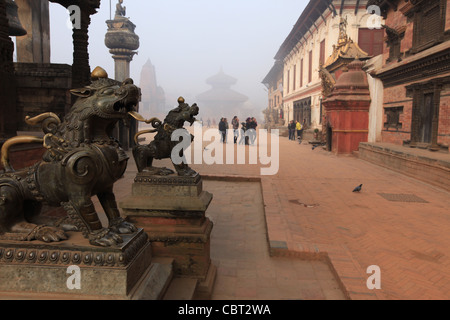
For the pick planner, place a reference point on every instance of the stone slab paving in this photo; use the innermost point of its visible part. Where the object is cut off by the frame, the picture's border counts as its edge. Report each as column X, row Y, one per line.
column 240, row 247
column 240, row 251
column 407, row 240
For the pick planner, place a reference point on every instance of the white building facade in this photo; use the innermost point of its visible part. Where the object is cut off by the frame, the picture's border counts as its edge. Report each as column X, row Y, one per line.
column 309, row 45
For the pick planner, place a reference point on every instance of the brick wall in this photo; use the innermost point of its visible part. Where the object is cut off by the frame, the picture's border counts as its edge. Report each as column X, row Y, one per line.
column 42, row 88
column 444, row 118
column 396, row 97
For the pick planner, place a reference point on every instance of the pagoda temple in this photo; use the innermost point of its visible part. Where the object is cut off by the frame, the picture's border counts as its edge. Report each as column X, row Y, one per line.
column 221, row 101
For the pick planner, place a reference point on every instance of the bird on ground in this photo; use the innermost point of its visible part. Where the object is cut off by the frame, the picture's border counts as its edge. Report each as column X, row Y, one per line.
column 314, row 147
column 358, row 188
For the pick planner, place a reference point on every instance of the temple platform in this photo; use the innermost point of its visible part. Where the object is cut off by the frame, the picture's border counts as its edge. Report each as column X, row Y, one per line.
column 41, row 271
column 430, row 167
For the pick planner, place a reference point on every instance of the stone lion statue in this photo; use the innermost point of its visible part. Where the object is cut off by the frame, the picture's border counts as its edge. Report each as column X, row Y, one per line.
column 81, row 160
column 162, row 145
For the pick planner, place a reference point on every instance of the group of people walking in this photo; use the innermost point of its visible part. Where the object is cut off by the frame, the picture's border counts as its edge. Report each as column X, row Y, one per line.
column 246, row 130
column 296, row 127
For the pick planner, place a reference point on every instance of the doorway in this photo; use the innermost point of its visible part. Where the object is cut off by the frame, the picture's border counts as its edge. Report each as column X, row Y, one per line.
column 329, row 137
column 426, row 111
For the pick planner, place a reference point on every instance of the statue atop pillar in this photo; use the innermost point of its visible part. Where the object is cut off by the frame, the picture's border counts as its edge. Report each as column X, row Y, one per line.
column 120, row 10
column 123, row 43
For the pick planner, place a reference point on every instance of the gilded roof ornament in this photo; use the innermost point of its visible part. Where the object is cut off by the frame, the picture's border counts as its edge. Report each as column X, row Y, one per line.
column 346, row 48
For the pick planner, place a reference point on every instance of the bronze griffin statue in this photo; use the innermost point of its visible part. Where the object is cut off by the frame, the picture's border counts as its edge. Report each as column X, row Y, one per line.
column 81, row 160
column 162, row 145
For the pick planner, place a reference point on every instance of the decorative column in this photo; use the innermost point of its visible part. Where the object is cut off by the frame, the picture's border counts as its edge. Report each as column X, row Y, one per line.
column 81, row 70
column 437, row 87
column 34, row 47
column 8, row 121
column 123, row 43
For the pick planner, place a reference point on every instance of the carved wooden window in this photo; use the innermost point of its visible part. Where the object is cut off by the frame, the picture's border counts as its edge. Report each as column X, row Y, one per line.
column 394, row 50
column 288, row 81
column 393, row 118
column 429, row 24
column 301, row 73
column 371, row 41
column 310, row 67
column 394, row 38
column 295, row 77
column 322, row 53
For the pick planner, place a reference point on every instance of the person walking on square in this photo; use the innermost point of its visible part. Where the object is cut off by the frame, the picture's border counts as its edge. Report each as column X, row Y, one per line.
column 227, row 126
column 253, row 125
column 248, row 131
column 304, row 127
column 291, row 128
column 299, row 128
column 243, row 135
column 235, row 124
column 223, row 130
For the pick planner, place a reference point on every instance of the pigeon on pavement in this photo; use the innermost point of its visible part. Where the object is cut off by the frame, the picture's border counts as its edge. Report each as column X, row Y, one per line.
column 358, row 188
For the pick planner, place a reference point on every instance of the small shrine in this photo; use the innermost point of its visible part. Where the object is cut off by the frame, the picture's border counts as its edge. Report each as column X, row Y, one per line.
column 347, row 111
column 346, row 96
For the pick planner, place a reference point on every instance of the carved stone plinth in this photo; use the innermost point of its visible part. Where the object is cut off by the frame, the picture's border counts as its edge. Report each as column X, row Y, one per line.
column 35, row 270
column 171, row 209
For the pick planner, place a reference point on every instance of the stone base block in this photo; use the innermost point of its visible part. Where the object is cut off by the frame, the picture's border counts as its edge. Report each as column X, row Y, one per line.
column 167, row 196
column 186, row 241
column 74, row 269
column 171, row 209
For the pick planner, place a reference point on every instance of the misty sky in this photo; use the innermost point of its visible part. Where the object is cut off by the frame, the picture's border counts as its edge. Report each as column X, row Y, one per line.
column 190, row 40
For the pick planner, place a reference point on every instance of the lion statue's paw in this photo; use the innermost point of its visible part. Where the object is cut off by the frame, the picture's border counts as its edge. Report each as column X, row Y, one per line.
column 105, row 238
column 47, row 234
column 120, row 226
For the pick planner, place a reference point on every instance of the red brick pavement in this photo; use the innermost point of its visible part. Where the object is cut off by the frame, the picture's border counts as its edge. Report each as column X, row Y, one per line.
column 409, row 241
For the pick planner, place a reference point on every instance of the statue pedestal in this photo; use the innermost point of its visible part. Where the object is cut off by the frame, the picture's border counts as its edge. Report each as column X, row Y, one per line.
column 171, row 209
column 35, row 270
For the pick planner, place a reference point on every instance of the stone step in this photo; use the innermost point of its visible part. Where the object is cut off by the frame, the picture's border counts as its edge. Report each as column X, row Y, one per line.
column 423, row 165
column 181, row 289
column 156, row 281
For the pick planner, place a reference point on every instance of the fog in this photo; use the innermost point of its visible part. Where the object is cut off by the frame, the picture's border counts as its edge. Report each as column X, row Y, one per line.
column 189, row 41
